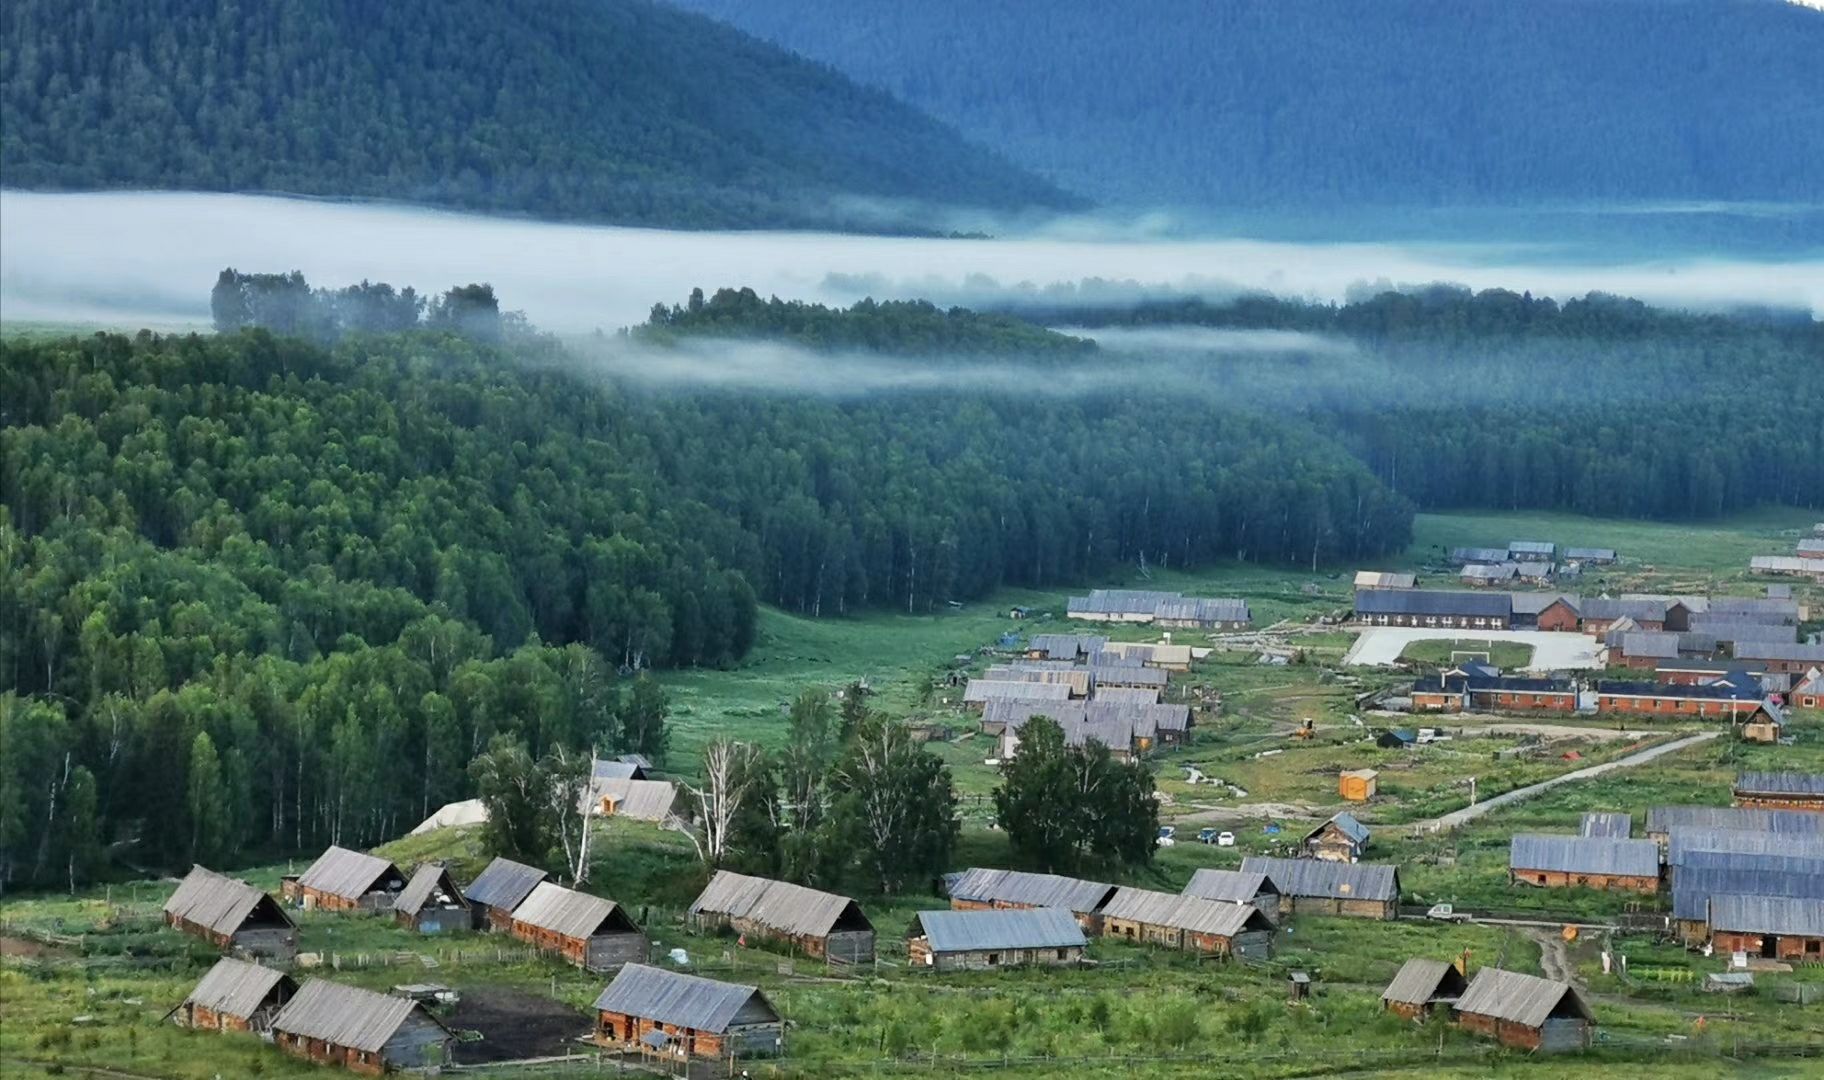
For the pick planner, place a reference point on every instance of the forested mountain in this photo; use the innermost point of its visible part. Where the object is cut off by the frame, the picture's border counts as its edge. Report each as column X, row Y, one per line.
column 619, row 110
column 1260, row 102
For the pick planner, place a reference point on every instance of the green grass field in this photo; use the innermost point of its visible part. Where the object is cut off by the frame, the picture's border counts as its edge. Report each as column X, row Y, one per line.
column 1506, row 655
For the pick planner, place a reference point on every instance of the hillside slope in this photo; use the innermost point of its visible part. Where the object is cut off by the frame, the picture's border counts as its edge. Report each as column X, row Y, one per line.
column 599, row 109
column 1238, row 102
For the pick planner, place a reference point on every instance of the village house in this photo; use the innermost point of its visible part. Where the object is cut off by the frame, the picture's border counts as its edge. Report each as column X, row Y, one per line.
column 1450, row 692
column 1707, row 875
column 1788, row 657
column 1236, row 887
column 1421, row 986
column 819, row 924
column 1765, row 726
column 1128, row 695
column 1106, row 672
column 1164, row 608
column 1780, row 790
column 1551, row 611
column 1341, row 839
column 1598, row 614
column 588, row 931
column 360, row 1030
column 235, row 996
column 617, row 769
column 1788, row 928
column 231, row 914
column 1766, row 609
column 1787, row 566
column 984, row 940
column 1164, row 656
column 979, row 889
column 1434, row 608
column 1321, row 887
column 1381, row 579
column 1811, row 550
column 1698, row 672
column 1583, row 861
column 1114, row 730
column 636, row 800
column 497, row 890
column 1533, row 573
column 1067, row 647
column 1357, row 785
column 431, row 903
column 1642, row 649
column 1590, row 556
column 1188, row 923
column 1663, row 821
column 686, row 1016
column 344, row 880
column 1042, row 671
column 1488, row 575
column 1468, row 556
column 1534, row 550
column 1808, row 692
column 1526, row 1012
column 1721, row 700
column 1606, row 825
column 1440, row 693
column 980, row 692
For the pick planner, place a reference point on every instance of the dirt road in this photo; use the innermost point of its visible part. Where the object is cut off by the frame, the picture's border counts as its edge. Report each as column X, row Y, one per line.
column 1470, row 813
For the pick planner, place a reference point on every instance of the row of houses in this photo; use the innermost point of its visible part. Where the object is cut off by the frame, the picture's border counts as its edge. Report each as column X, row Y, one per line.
column 1476, row 609
column 1167, row 609
column 1807, row 561
column 1129, row 729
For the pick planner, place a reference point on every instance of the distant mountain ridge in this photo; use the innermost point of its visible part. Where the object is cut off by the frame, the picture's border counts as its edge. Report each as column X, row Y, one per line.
column 614, row 110
column 1260, row 102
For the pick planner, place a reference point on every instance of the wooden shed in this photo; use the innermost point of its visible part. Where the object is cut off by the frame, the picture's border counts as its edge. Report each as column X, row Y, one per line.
column 1780, row 790
column 231, row 914
column 979, row 889
column 984, row 940
column 1321, row 887
column 686, row 1016
column 1236, row 887
column 820, row 924
column 1357, row 785
column 1526, row 1012
column 344, row 880
column 1590, row 862
column 1341, row 839
column 497, row 890
column 1421, row 986
column 431, row 902
column 236, row 996
column 588, row 931
column 360, row 1030
column 1188, row 923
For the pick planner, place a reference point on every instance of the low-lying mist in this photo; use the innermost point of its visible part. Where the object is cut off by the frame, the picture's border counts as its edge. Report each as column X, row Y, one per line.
column 135, row 259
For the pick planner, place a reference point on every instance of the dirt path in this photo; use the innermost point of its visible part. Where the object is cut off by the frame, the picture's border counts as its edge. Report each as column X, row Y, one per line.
column 1470, row 813
column 1555, row 957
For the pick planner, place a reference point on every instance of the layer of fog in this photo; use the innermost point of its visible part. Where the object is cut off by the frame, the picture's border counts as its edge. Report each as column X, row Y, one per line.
column 150, row 259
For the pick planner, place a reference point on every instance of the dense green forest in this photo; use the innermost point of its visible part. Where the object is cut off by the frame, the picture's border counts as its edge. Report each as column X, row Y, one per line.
column 617, row 110
column 284, row 566
column 1259, row 102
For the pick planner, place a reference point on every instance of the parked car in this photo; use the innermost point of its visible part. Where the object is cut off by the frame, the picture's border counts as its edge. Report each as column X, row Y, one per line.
column 1226, row 839
column 1206, row 836
column 1446, row 913
column 1166, row 832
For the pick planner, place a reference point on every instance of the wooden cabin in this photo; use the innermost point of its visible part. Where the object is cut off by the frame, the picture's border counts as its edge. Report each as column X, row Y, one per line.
column 1422, row 986
column 638, row 800
column 1187, row 923
column 1808, row 691
column 1526, row 1012
column 431, row 903
column 1357, row 785
column 985, row 940
column 1583, row 861
column 344, row 880
column 978, row 889
column 1321, row 887
column 497, row 890
column 588, row 931
column 819, row 924
column 1341, row 839
column 675, row 1015
column 1783, row 790
column 236, row 996
column 360, row 1030
column 1236, row 887
column 231, row 914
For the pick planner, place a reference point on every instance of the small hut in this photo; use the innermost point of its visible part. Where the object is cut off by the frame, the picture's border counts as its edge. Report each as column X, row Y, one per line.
column 588, row 931
column 1526, row 1012
column 498, row 890
column 236, row 996
column 431, row 902
column 1357, row 785
column 360, row 1030
column 231, row 914
column 818, row 923
column 1421, row 986
column 1341, row 839
column 344, row 880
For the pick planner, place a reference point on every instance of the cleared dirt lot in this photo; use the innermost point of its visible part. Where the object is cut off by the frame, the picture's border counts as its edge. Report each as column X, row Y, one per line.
column 513, row 1025
column 1381, row 646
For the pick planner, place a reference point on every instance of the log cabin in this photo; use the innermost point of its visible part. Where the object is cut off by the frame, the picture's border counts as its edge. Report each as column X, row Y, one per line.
column 231, row 914
column 819, row 924
column 236, row 996
column 360, row 1030
column 686, row 1016
column 1526, row 1012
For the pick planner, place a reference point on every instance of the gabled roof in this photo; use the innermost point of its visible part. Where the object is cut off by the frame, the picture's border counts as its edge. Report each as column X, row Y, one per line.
column 424, row 883
column 1531, row 547
column 1421, row 981
column 1065, row 646
column 1600, row 608
column 641, row 800
column 346, row 1015
column 1584, row 855
column 237, row 988
column 1664, row 819
column 780, row 905
column 1018, row 928
column 1480, row 604
column 1204, row 609
column 984, row 690
column 504, row 884
column 1478, row 554
column 1694, row 885
column 1033, row 890
column 1649, row 644
column 1230, row 886
column 604, row 769
column 348, row 874
column 571, row 914
column 220, row 903
column 1587, row 554
column 1382, row 579
column 1526, row 1000
column 1532, row 603
column 686, row 1001
column 1795, row 915
column 1345, row 823
column 1811, row 547
column 1612, row 825
column 1779, row 650
column 1182, row 912
column 1328, row 880
column 1682, row 843
column 1810, row 785
column 1769, row 608
column 1812, row 683
column 1502, row 571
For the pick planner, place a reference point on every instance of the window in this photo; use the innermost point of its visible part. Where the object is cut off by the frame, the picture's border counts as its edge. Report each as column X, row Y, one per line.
column 994, row 958
column 1065, row 953
column 1541, row 879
